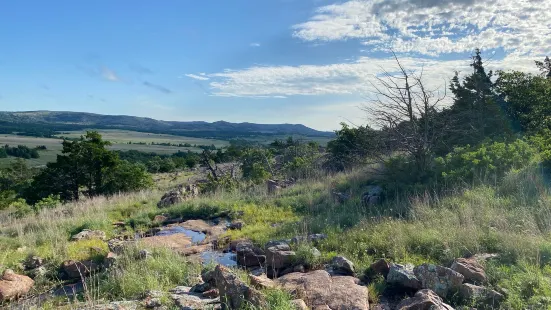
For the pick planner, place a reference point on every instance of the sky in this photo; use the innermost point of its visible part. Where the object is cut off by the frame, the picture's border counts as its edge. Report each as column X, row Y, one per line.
column 311, row 62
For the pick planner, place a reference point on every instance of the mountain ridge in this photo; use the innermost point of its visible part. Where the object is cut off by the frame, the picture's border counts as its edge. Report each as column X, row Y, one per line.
column 80, row 119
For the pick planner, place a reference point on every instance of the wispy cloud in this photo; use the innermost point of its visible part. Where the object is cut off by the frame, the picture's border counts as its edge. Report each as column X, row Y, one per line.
column 157, row 87
column 109, row 74
column 140, row 69
column 434, row 27
column 200, row 77
column 353, row 78
column 254, row 44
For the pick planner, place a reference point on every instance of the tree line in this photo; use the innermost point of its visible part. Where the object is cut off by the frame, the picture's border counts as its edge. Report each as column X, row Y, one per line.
column 21, row 151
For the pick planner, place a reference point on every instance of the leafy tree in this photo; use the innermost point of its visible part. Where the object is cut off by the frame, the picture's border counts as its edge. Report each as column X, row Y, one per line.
column 3, row 153
column 127, row 177
column 545, row 67
column 476, row 113
column 256, row 164
column 85, row 166
column 527, row 100
column 351, row 146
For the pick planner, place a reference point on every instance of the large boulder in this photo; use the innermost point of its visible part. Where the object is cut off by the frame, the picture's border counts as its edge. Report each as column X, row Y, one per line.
column 321, row 291
column 440, row 279
column 87, row 234
column 249, row 255
column 342, row 265
column 171, row 198
column 423, row 300
column 234, row 293
column 76, row 270
column 185, row 299
column 279, row 256
column 470, row 269
column 480, row 295
column 261, row 282
column 372, row 196
column 13, row 285
column 403, row 276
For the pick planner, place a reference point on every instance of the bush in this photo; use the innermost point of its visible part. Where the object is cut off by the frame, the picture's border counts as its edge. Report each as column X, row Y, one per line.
column 49, row 202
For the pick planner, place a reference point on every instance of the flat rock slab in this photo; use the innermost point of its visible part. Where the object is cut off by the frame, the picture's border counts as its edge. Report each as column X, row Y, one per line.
column 177, row 242
column 13, row 285
column 321, row 291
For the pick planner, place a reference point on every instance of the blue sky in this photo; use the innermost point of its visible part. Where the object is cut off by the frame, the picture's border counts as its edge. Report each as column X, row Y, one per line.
column 278, row 61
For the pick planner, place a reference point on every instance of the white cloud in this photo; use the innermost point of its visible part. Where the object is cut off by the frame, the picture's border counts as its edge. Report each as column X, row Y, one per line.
column 354, row 78
column 254, row 44
column 109, row 74
column 435, row 27
column 200, row 77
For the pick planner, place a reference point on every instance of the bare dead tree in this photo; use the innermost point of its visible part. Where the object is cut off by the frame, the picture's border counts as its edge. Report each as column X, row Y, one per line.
column 406, row 110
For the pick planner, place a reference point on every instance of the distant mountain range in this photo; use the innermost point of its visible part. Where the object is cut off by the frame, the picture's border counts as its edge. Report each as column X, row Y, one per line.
column 59, row 121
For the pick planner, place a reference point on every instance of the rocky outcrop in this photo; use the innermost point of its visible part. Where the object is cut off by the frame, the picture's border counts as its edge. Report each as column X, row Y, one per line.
column 372, row 196
column 76, row 270
column 470, row 269
column 279, row 256
column 480, row 295
column 249, row 255
column 441, row 280
column 261, row 282
column 235, row 293
column 274, row 186
column 403, row 276
column 177, row 242
column 341, row 265
column 185, row 299
column 178, row 195
column 13, row 286
column 88, row 234
column 424, row 300
column 321, row 291
column 299, row 304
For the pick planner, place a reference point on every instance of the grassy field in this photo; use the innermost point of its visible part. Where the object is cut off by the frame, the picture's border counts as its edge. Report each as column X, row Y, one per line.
column 119, row 139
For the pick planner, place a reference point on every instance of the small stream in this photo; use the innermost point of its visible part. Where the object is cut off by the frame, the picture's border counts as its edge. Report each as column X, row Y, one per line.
column 195, row 236
column 226, row 259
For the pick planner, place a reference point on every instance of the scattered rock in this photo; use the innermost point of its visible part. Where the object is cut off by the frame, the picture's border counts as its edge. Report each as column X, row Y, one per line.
column 319, row 289
column 13, row 286
column 372, row 196
column 279, row 256
column 88, row 234
column 470, row 269
column 275, row 186
column 380, row 267
column 440, row 279
column 272, row 243
column 184, row 299
column 342, row 265
column 208, row 276
column 315, row 238
column 110, row 260
column 212, row 293
column 77, row 270
column 33, row 262
column 402, row 275
column 234, row 292
column 118, row 245
column 152, row 299
column 144, row 254
column 249, row 255
column 424, row 300
column 261, row 282
column 201, row 287
column 481, row 295
column 299, row 304
column 237, row 225
column 178, row 195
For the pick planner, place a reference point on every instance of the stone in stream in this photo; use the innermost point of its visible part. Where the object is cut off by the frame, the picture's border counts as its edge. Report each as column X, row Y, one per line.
column 279, row 256
column 13, row 285
column 249, row 255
